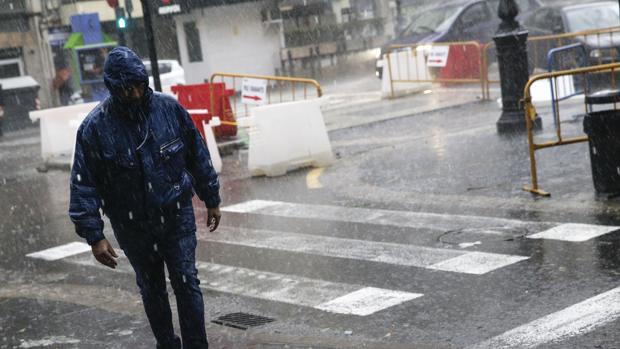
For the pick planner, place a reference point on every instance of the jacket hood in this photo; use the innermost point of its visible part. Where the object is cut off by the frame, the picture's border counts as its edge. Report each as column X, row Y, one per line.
column 122, row 68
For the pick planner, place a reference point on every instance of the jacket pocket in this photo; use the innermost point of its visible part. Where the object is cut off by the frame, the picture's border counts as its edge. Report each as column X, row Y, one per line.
column 119, row 165
column 172, row 155
column 122, row 183
column 126, row 162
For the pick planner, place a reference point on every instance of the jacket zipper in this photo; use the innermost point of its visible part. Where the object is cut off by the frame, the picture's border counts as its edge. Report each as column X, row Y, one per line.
column 166, row 145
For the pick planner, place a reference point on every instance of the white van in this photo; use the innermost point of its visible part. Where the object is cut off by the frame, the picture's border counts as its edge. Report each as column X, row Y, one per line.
column 170, row 73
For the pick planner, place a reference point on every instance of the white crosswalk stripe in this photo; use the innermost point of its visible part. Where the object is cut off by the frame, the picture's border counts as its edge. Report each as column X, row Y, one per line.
column 574, row 232
column 60, row 252
column 408, row 219
column 577, row 319
column 427, row 221
column 383, row 252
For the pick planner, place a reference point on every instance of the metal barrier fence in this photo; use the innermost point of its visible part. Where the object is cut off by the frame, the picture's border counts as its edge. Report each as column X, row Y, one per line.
column 472, row 62
column 602, row 41
column 278, row 89
column 530, row 114
column 413, row 64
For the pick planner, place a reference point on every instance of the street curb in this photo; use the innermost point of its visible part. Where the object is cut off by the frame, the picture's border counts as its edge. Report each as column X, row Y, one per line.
column 403, row 114
column 229, row 147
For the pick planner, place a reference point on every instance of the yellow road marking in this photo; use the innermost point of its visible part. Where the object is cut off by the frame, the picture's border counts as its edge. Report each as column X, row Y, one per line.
column 312, row 179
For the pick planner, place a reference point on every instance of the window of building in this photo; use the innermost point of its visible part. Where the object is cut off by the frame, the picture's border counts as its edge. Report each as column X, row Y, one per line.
column 13, row 16
column 192, row 40
column 13, row 6
column 10, row 68
column 15, row 23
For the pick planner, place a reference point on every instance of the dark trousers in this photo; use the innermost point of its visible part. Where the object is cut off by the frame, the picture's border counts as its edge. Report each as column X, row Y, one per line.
column 148, row 252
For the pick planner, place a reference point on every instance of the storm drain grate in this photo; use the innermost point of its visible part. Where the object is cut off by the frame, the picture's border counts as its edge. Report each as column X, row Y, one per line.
column 242, row 321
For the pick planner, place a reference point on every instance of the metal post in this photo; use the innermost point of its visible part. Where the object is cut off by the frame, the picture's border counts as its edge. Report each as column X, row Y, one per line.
column 511, row 45
column 121, row 38
column 129, row 9
column 148, row 28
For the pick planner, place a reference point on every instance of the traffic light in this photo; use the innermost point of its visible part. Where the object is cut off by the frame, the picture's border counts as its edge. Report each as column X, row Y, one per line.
column 121, row 20
column 121, row 24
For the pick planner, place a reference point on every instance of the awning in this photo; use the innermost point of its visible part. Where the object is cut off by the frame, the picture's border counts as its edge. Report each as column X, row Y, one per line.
column 77, row 40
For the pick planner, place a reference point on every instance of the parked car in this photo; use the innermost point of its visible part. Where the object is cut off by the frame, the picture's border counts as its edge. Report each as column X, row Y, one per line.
column 552, row 20
column 170, row 73
column 464, row 20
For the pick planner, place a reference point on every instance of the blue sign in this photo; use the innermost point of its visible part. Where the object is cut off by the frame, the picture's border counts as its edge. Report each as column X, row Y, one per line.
column 88, row 24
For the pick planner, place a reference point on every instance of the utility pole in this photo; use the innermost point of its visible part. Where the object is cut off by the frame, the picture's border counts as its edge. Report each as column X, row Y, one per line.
column 150, row 39
column 129, row 9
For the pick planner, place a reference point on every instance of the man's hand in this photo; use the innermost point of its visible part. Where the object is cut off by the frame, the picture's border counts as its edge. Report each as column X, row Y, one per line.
column 213, row 218
column 104, row 253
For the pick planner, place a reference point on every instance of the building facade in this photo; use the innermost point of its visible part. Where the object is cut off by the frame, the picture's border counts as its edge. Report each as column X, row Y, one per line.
column 243, row 36
column 24, row 48
column 229, row 38
column 274, row 37
column 33, row 34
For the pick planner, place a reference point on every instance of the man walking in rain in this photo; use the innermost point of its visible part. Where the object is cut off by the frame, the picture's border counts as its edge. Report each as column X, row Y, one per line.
column 139, row 158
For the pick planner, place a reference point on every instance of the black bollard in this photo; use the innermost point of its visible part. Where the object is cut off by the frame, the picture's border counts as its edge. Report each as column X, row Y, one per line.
column 511, row 45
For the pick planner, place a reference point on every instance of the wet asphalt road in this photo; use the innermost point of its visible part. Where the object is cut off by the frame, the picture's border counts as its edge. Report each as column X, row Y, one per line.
column 399, row 189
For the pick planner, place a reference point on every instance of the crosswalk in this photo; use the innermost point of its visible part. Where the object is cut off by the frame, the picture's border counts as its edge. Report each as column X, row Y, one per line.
column 364, row 300
column 431, row 222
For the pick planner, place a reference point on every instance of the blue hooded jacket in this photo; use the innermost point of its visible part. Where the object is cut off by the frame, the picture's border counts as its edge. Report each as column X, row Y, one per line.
column 138, row 162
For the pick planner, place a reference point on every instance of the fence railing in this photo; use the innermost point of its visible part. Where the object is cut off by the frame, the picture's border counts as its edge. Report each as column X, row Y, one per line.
column 442, row 62
column 530, row 113
column 279, row 89
column 474, row 62
column 604, row 44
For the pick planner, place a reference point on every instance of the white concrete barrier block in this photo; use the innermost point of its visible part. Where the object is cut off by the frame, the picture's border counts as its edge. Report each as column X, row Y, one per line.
column 216, row 159
column 288, row 136
column 57, row 127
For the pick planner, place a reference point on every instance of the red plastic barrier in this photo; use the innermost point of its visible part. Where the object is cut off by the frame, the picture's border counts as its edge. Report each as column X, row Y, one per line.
column 463, row 62
column 199, row 97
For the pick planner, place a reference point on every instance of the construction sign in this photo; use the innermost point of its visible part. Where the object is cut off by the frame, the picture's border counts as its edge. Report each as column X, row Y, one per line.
column 438, row 57
column 254, row 91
